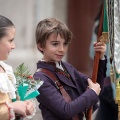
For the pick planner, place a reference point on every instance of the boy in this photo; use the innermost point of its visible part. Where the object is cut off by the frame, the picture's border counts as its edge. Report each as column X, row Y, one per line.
column 60, row 78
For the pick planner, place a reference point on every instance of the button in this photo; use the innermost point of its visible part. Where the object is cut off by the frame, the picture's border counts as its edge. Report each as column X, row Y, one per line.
column 68, row 89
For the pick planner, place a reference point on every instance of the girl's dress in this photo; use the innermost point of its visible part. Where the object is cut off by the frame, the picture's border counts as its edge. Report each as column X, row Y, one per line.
column 7, row 90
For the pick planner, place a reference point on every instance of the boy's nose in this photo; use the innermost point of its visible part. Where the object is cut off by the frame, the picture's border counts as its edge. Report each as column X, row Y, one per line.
column 61, row 48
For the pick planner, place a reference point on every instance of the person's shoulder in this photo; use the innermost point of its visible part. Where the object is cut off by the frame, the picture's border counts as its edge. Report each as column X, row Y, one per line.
column 39, row 75
column 5, row 66
column 66, row 63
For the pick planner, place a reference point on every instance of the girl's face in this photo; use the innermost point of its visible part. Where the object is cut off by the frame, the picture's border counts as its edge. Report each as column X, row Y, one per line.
column 7, row 43
column 55, row 48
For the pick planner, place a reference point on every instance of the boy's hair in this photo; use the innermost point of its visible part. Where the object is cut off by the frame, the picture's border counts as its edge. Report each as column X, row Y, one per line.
column 51, row 25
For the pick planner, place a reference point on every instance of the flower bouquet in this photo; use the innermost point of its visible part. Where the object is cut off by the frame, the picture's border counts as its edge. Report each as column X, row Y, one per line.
column 25, row 84
column 26, row 87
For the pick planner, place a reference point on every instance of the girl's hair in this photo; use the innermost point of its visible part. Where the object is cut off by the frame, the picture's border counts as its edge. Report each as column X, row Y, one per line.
column 51, row 25
column 5, row 23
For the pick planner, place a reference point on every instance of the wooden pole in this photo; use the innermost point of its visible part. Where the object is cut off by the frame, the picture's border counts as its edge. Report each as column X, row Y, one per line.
column 96, row 63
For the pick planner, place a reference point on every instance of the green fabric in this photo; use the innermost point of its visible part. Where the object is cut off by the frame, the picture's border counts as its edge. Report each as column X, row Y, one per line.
column 13, row 100
column 25, row 94
column 31, row 95
column 22, row 89
column 105, row 21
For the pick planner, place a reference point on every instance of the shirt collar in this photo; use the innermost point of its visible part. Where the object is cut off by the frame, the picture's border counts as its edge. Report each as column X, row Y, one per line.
column 58, row 64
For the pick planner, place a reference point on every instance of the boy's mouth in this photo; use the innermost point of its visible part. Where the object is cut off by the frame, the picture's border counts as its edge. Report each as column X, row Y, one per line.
column 59, row 56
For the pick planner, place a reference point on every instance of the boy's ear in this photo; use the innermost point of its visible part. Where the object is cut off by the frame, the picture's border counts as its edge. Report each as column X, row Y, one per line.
column 39, row 47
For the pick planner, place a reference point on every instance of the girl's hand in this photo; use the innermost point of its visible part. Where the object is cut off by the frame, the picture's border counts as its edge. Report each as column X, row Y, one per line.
column 30, row 107
column 100, row 47
column 19, row 107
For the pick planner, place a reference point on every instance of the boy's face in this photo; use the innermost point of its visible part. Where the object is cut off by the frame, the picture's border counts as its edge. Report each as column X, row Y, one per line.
column 55, row 48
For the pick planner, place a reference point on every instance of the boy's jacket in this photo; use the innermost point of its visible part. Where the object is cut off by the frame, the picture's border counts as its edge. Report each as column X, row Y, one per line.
column 52, row 104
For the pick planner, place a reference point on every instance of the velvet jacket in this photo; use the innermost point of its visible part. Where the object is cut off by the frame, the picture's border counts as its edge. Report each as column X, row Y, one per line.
column 52, row 104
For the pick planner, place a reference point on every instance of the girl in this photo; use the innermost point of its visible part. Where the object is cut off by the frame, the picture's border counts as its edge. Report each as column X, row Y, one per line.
column 7, row 78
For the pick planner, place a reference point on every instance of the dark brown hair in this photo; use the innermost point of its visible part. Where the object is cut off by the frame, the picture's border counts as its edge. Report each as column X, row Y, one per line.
column 51, row 25
column 5, row 23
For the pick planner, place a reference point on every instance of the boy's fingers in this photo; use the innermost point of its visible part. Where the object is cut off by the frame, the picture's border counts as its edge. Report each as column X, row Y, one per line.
column 89, row 81
column 94, row 44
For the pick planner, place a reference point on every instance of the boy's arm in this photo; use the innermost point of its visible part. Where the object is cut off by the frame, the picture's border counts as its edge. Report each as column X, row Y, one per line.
column 100, row 76
column 53, row 100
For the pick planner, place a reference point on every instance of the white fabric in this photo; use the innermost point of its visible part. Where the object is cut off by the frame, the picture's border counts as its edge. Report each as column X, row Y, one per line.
column 117, row 35
column 7, row 81
column 58, row 65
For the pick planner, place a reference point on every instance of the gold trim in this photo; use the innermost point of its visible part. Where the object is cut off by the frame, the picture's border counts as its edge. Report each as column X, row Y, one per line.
column 104, row 37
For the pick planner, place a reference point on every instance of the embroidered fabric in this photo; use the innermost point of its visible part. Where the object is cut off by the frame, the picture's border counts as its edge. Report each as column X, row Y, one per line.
column 7, row 81
column 116, row 42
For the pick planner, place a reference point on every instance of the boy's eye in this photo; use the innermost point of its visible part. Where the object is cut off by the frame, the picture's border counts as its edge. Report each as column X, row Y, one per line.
column 66, row 43
column 55, row 44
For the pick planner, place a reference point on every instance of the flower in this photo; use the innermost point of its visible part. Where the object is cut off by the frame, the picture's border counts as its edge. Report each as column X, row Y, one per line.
column 25, row 84
column 30, row 77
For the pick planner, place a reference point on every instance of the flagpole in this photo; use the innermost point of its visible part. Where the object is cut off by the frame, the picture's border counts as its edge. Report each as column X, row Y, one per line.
column 95, row 64
column 102, row 35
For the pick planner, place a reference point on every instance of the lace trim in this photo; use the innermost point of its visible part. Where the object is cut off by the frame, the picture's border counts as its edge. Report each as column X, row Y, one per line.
column 7, row 81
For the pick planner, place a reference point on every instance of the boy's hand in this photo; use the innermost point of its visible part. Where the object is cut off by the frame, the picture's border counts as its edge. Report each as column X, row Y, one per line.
column 100, row 47
column 94, row 86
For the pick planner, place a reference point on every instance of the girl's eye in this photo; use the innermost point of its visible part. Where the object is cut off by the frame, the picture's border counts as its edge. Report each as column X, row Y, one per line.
column 11, row 40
